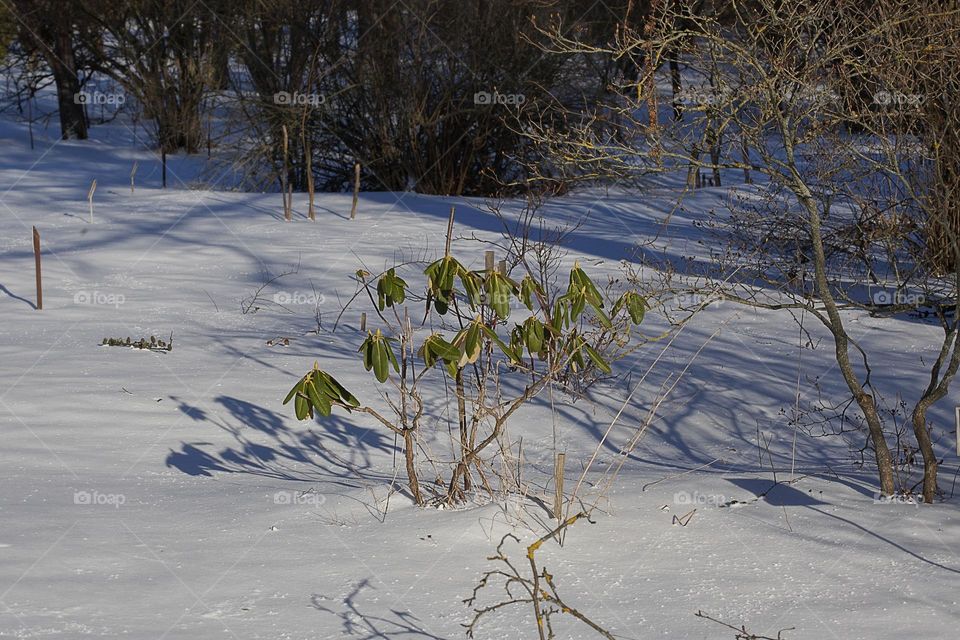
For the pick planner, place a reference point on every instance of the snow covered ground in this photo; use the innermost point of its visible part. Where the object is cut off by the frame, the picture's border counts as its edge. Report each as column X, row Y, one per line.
column 171, row 495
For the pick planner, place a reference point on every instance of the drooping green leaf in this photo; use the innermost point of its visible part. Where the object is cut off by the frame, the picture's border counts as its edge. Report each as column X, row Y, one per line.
column 367, row 350
column 473, row 287
column 391, row 289
column 507, row 351
column 435, row 348
column 317, row 392
column 320, row 402
column 578, row 303
column 533, row 335
column 301, row 407
column 580, row 281
column 636, row 306
column 380, row 364
column 528, row 289
column 294, row 390
column 344, row 396
column 597, row 359
column 440, row 278
column 391, row 356
column 498, row 289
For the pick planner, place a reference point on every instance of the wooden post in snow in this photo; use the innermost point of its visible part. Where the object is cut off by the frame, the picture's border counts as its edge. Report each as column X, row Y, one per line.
column 356, row 190
column 287, row 203
column 489, row 261
column 93, row 188
column 36, row 258
column 446, row 251
column 558, row 486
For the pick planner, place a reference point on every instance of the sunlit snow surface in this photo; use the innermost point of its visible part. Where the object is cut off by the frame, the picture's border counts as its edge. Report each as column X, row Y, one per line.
column 171, row 495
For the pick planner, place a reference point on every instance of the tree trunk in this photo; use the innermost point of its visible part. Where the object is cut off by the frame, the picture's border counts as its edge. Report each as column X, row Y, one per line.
column 919, row 419
column 841, row 340
column 48, row 30
column 73, row 121
column 881, row 451
column 408, row 447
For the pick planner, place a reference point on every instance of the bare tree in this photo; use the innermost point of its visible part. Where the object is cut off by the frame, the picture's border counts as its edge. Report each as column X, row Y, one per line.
column 47, row 28
column 857, row 193
column 160, row 51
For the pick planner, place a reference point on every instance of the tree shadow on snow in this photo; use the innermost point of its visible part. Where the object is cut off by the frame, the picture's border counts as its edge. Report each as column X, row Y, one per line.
column 780, row 495
column 365, row 626
column 775, row 494
column 265, row 446
column 11, row 294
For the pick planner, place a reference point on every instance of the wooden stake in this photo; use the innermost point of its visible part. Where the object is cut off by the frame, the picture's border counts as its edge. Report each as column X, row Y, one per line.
column 363, row 321
column 446, row 251
column 489, row 260
column 558, row 486
column 36, row 258
column 502, row 267
column 308, row 160
column 356, row 190
column 133, row 173
column 284, row 177
column 93, row 188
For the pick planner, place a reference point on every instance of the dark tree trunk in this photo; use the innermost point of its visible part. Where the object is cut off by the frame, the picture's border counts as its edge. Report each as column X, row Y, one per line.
column 73, row 121
column 930, row 463
column 47, row 28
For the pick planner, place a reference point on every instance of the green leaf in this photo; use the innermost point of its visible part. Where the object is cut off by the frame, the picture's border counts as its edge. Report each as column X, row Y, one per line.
column 436, row 348
column 580, row 281
column 517, row 339
column 468, row 342
column 367, row 349
column 499, row 289
column 637, row 307
column 318, row 391
column 319, row 401
column 391, row 356
column 345, row 396
column 597, row 359
column 561, row 315
column 293, row 391
column 507, row 351
column 391, row 289
column 301, row 407
column 577, row 304
column 441, row 304
column 634, row 303
column 452, row 368
column 533, row 334
column 574, row 349
column 528, row 289
column 603, row 317
column 427, row 353
column 472, row 344
column 380, row 364
column 472, row 285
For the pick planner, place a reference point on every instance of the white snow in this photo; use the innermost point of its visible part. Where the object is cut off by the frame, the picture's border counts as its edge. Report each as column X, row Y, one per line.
column 171, row 495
